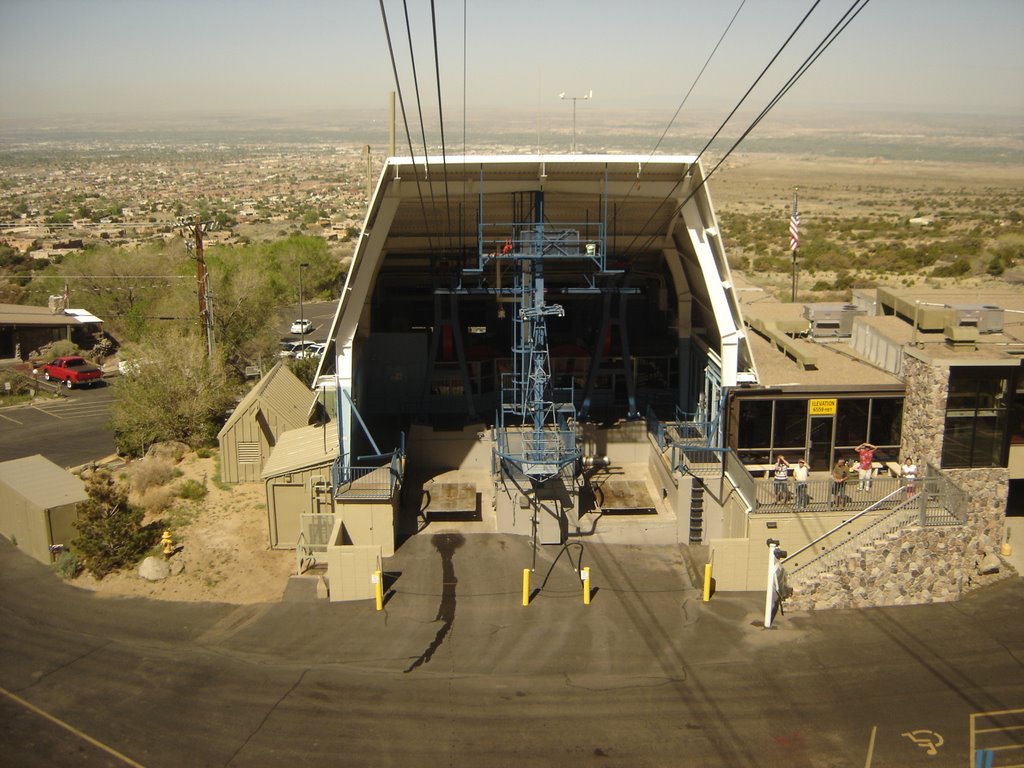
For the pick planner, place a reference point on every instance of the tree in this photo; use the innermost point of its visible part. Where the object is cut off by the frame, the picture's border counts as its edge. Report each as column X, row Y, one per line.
column 110, row 530
column 171, row 391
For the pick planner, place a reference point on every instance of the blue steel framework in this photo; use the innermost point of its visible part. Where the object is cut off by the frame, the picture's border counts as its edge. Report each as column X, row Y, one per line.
column 535, row 423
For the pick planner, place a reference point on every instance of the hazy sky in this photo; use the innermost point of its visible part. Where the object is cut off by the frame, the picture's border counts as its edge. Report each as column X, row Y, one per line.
column 243, row 56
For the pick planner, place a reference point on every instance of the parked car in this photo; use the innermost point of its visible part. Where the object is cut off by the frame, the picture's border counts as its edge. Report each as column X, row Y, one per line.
column 295, row 348
column 302, row 326
column 72, row 370
column 311, row 351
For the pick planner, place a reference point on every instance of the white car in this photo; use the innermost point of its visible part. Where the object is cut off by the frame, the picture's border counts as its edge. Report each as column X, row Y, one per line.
column 302, row 327
column 309, row 350
column 294, row 348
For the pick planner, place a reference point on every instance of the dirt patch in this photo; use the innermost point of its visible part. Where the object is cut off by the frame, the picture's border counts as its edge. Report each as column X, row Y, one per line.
column 223, row 551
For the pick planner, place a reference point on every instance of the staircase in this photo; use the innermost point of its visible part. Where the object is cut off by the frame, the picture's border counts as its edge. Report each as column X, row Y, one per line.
column 696, row 511
column 811, row 563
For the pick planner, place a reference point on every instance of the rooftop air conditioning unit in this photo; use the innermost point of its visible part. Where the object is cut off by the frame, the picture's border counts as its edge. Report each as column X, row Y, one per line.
column 986, row 318
column 831, row 319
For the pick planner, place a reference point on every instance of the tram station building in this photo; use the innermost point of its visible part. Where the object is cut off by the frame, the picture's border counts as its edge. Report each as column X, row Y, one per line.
column 555, row 346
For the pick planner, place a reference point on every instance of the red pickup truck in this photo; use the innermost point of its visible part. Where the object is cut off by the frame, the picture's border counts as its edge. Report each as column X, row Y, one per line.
column 72, row 371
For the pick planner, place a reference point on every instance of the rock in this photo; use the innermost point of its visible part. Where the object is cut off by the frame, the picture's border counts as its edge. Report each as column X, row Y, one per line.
column 172, row 450
column 177, row 566
column 154, row 569
column 989, row 564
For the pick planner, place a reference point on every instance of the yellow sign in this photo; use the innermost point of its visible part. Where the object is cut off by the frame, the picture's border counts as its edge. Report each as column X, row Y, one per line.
column 822, row 407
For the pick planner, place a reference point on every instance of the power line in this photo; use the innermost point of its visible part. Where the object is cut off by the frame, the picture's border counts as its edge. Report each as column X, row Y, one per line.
column 694, row 83
column 440, row 117
column 823, row 45
column 405, row 122
column 722, row 126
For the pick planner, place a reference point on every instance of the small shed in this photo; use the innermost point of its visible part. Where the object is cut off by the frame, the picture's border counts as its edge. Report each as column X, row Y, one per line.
column 298, row 480
column 39, row 505
column 277, row 403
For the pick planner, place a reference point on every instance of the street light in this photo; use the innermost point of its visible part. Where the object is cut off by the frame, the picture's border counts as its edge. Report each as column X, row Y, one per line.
column 563, row 97
column 302, row 315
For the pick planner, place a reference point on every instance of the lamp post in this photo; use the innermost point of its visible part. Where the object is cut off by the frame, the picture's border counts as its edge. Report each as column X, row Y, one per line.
column 302, row 315
column 588, row 95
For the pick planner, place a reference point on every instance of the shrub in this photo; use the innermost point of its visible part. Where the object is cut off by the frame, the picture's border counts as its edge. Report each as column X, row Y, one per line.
column 192, row 490
column 156, row 499
column 149, row 472
column 957, row 268
column 111, row 534
column 67, row 565
column 204, row 453
column 59, row 348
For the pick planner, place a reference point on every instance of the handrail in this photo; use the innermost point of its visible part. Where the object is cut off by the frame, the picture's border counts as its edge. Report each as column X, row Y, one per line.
column 302, row 553
column 845, row 523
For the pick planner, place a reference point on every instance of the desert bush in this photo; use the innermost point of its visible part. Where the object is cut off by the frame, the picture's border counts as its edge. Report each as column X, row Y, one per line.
column 67, row 565
column 149, row 472
column 192, row 490
column 204, row 453
column 111, row 534
column 157, row 498
column 59, row 348
column 957, row 268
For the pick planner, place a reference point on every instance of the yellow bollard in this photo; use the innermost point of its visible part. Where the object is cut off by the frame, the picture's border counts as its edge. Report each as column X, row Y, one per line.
column 526, row 586
column 585, row 575
column 378, row 589
column 707, row 582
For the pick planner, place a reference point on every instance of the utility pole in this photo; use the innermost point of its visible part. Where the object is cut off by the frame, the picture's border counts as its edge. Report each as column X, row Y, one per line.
column 794, row 238
column 573, row 99
column 193, row 234
column 369, row 173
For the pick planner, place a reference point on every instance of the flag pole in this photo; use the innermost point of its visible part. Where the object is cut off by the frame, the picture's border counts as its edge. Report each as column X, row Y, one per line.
column 794, row 238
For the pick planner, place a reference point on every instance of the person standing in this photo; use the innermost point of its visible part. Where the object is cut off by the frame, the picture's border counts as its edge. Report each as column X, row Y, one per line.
column 839, row 472
column 801, row 473
column 865, row 465
column 781, row 479
column 909, row 471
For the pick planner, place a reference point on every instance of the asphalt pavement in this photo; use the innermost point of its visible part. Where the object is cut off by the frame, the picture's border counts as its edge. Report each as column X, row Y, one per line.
column 456, row 671
column 69, row 431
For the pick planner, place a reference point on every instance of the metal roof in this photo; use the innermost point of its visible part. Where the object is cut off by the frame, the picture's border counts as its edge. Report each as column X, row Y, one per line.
column 425, row 204
column 282, row 392
column 42, row 482
column 303, row 448
column 19, row 314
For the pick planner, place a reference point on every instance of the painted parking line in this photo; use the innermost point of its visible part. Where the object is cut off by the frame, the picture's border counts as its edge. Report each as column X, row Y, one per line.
column 997, row 739
column 8, row 418
column 69, row 728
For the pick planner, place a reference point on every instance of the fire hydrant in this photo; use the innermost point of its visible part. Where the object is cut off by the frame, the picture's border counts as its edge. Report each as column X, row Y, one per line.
column 168, row 544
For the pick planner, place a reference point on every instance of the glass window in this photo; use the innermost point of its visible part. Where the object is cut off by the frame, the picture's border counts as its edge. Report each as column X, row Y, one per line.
column 755, row 424
column 886, row 421
column 977, row 417
column 790, row 424
column 851, row 421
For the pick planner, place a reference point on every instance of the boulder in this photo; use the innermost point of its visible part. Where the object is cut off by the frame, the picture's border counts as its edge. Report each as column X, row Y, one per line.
column 154, row 569
column 172, row 450
column 989, row 564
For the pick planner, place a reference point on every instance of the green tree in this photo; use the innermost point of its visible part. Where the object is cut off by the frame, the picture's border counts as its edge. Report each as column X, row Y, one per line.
column 110, row 530
column 172, row 391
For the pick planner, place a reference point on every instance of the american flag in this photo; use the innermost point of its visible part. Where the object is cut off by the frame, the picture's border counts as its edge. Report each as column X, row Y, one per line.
column 794, row 227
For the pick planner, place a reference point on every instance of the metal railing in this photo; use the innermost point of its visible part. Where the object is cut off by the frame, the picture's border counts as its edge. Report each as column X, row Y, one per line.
column 935, row 502
column 687, row 443
column 820, row 494
column 379, row 481
column 741, row 480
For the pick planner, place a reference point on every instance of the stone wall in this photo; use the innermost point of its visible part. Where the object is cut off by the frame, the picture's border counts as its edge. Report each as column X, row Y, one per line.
column 916, row 565
column 924, row 410
column 920, row 565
